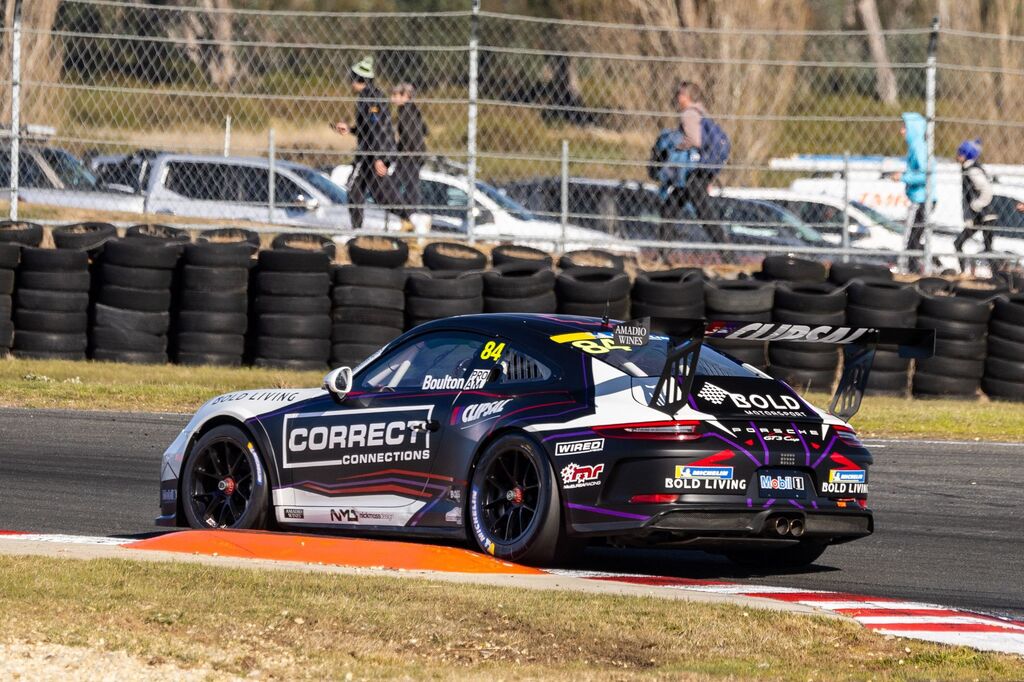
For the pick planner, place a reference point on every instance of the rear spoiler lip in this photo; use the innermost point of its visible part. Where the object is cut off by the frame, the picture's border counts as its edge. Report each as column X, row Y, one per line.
column 859, row 344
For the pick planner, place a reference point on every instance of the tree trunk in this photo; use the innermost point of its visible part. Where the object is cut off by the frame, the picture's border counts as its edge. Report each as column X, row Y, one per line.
column 885, row 78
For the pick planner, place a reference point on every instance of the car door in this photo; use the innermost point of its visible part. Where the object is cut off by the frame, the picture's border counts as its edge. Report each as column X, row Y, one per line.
column 200, row 189
column 369, row 460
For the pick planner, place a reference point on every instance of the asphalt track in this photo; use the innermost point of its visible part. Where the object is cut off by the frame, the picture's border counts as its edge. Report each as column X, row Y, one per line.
column 948, row 522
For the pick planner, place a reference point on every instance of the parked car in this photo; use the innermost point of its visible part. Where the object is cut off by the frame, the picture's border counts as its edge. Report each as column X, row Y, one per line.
column 235, row 188
column 497, row 216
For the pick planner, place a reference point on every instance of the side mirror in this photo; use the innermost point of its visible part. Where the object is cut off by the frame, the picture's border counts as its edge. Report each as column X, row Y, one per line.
column 338, row 382
column 308, row 204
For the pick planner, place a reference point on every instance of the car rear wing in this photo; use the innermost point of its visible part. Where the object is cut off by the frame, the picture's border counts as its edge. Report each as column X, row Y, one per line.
column 859, row 344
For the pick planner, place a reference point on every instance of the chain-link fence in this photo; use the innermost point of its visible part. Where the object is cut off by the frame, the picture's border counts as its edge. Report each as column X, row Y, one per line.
column 210, row 115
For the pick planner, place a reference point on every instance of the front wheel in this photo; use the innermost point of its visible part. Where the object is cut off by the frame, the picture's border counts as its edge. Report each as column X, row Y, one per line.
column 223, row 484
column 513, row 503
column 797, row 556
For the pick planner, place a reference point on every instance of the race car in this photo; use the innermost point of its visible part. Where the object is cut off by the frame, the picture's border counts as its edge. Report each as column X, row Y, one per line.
column 536, row 434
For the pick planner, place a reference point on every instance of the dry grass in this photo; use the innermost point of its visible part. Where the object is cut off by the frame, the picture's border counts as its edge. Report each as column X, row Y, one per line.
column 319, row 626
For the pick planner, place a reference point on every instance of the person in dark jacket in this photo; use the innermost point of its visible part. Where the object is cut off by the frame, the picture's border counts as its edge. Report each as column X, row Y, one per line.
column 412, row 146
column 375, row 147
column 976, row 195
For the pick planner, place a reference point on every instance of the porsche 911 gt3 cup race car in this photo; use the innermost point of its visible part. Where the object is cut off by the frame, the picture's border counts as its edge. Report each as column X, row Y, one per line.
column 533, row 434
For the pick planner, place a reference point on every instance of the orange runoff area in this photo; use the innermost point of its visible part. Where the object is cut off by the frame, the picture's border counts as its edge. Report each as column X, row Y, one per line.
column 330, row 550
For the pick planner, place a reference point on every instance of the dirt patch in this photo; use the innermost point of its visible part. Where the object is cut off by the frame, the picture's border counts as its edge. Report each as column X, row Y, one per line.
column 375, row 243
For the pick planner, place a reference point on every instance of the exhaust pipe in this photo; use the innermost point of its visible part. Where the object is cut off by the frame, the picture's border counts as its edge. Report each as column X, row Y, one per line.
column 781, row 525
column 796, row 528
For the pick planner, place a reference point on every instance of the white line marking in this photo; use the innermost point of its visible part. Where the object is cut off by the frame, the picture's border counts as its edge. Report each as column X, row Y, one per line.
column 66, row 539
column 944, row 620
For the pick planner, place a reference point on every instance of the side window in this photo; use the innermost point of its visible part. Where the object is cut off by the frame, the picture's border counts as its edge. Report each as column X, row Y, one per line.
column 434, row 362
column 252, row 184
column 30, row 174
column 520, row 368
column 444, row 199
column 1007, row 215
column 287, row 192
column 202, row 181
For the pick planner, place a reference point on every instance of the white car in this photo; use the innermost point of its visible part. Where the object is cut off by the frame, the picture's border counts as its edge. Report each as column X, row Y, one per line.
column 497, row 217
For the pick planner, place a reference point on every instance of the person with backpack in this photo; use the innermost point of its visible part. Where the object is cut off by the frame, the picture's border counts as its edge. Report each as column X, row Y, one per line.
column 706, row 147
column 976, row 195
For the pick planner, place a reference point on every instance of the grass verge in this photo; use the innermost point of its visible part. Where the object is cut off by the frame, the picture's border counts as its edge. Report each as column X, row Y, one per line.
column 171, row 388
column 320, row 626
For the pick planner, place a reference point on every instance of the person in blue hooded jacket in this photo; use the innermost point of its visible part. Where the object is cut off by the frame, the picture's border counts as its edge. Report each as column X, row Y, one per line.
column 915, row 178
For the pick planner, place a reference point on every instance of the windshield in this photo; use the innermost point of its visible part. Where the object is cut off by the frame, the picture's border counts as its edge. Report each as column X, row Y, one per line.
column 649, row 360
column 804, row 231
column 881, row 219
column 72, row 173
column 321, row 183
column 501, row 199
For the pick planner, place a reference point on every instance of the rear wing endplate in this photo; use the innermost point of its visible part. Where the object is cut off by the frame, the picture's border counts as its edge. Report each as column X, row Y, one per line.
column 859, row 345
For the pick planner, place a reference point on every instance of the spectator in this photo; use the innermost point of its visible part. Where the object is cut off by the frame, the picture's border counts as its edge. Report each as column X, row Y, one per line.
column 411, row 145
column 915, row 178
column 375, row 144
column 689, row 103
column 976, row 195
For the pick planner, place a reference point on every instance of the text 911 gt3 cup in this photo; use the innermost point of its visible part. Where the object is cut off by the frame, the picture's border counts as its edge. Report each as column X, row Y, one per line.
column 531, row 435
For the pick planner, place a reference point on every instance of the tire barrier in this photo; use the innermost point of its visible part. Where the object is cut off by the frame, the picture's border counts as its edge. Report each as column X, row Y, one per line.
column 431, row 295
column 21, row 232
column 791, row 269
column 86, row 236
column 593, row 291
column 42, row 332
column 747, row 300
column 301, row 241
column 156, row 232
column 807, row 366
column 213, row 309
column 230, row 234
column 378, row 252
column 445, row 256
column 10, row 256
column 369, row 311
column 1003, row 377
column 591, row 258
column 666, row 294
column 504, row 254
column 841, row 273
column 132, row 311
column 293, row 306
column 520, row 286
column 881, row 302
column 961, row 329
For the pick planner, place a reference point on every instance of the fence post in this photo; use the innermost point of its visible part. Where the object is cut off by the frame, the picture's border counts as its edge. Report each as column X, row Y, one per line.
column 846, row 205
column 474, row 64
column 227, row 135
column 15, row 107
column 929, row 109
column 270, row 176
column 565, row 190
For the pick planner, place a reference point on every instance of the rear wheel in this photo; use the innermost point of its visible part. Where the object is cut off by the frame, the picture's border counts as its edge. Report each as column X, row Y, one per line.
column 223, row 482
column 514, row 504
column 795, row 556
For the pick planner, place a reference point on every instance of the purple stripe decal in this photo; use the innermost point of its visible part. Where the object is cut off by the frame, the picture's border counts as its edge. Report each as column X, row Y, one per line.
column 807, row 450
column 825, row 452
column 768, row 503
column 607, row 512
column 587, row 432
column 814, row 504
column 796, row 504
column 764, row 446
column 340, row 487
column 415, row 520
column 750, row 502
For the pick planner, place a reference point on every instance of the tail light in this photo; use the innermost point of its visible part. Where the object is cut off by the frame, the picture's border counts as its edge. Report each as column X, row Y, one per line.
column 667, row 430
column 848, row 436
column 657, row 498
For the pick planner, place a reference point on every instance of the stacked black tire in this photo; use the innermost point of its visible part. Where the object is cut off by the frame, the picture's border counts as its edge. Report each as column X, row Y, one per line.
column 214, row 302
column 594, row 292
column 10, row 255
column 520, row 287
column 668, row 295
column 1004, row 366
column 369, row 305
column 881, row 302
column 807, row 366
column 791, row 269
column 961, row 328
column 293, row 310
column 132, row 316
column 51, row 318
column 452, row 284
column 744, row 300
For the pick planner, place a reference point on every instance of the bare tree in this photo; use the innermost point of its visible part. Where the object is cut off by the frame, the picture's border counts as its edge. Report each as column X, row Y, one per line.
column 885, row 79
column 215, row 56
column 40, row 59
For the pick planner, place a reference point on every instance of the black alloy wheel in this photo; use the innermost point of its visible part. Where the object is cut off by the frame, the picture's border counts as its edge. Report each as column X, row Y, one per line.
column 514, row 510
column 223, row 482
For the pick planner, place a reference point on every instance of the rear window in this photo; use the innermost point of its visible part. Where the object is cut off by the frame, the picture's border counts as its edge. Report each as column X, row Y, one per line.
column 649, row 360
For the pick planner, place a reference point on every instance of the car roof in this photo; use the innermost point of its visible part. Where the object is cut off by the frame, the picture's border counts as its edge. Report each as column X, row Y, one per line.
column 778, row 194
column 512, row 324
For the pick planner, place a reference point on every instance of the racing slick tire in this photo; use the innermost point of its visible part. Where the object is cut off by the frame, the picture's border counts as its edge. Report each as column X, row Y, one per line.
column 514, row 510
column 223, row 482
column 796, row 556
